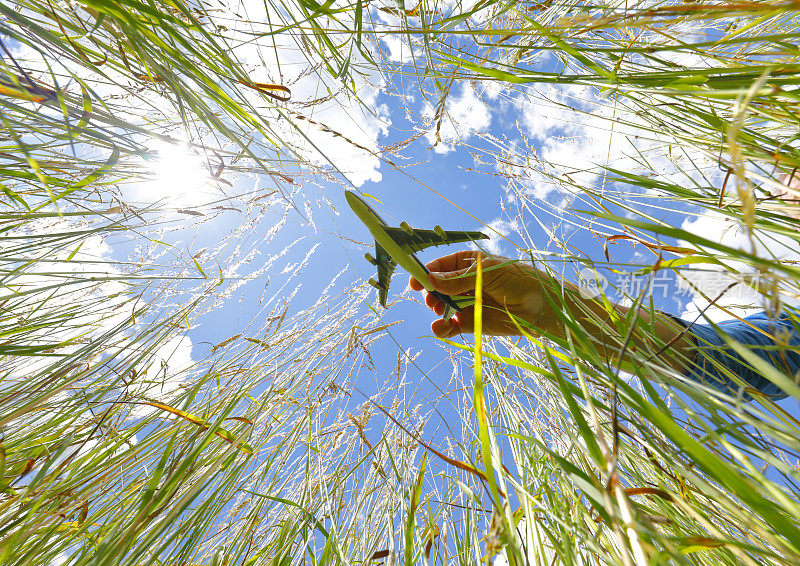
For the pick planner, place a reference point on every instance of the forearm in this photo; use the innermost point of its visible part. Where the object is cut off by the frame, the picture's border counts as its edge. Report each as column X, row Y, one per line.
column 699, row 352
column 655, row 334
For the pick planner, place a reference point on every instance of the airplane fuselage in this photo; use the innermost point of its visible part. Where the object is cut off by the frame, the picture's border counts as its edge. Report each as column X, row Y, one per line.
column 375, row 225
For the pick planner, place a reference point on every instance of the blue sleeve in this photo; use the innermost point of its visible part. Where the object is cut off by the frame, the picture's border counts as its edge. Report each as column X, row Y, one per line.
column 712, row 352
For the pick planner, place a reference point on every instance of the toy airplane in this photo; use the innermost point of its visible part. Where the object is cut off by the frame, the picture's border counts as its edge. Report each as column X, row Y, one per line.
column 397, row 246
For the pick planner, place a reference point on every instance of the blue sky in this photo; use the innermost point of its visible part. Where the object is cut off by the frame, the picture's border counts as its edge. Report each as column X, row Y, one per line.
column 503, row 157
column 499, row 148
column 411, row 195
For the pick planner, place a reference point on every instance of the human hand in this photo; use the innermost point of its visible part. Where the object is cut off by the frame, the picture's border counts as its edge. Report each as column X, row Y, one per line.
column 507, row 286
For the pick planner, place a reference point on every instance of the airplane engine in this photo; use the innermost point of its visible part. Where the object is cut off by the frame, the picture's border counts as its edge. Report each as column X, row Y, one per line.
column 374, row 283
column 370, row 259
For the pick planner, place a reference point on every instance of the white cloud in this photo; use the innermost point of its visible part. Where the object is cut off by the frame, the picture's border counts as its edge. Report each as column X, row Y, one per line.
column 537, row 548
column 397, row 44
column 465, row 114
column 496, row 230
column 341, row 122
column 72, row 287
column 740, row 299
column 491, row 90
column 168, row 368
column 350, row 126
column 574, row 133
column 76, row 290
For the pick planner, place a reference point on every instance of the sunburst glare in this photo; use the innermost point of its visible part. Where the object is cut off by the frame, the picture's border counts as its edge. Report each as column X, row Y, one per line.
column 179, row 178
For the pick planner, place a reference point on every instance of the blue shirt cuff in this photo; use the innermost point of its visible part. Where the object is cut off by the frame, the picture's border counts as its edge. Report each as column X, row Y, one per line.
column 713, row 359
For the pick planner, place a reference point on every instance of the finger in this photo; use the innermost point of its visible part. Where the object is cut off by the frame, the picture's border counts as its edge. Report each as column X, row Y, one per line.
column 444, row 328
column 431, row 300
column 454, row 261
column 414, row 284
column 453, row 282
column 434, row 304
column 465, row 320
column 459, row 324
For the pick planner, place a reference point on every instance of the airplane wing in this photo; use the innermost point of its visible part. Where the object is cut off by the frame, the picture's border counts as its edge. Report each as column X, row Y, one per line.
column 413, row 240
column 386, row 266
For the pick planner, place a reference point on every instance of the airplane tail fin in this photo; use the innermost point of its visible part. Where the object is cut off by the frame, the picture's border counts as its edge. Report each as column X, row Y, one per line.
column 453, row 304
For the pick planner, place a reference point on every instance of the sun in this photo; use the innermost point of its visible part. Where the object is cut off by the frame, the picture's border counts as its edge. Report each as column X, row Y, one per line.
column 176, row 176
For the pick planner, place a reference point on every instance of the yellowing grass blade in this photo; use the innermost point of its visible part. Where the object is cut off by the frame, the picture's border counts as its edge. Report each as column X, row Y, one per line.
column 222, row 433
column 479, row 402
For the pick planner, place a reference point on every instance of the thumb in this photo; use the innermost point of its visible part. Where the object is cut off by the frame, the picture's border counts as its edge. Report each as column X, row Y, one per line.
column 453, row 282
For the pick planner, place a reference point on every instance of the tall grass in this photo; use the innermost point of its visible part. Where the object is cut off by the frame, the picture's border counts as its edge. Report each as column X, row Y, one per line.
column 117, row 446
column 110, row 454
column 656, row 469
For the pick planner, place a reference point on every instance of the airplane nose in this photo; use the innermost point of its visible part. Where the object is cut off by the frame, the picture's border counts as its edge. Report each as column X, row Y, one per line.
column 351, row 197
